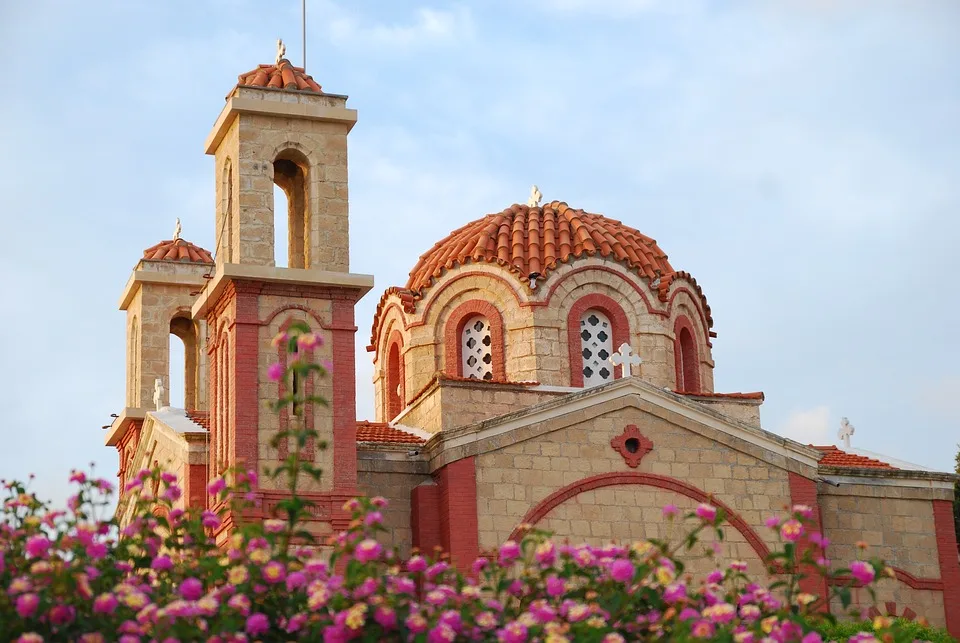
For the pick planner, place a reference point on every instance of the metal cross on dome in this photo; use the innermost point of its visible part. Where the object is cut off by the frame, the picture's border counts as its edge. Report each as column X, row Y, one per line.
column 626, row 358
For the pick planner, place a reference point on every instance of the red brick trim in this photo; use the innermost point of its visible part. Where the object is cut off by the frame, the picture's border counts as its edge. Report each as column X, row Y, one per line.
column 560, row 496
column 685, row 371
column 195, row 486
column 577, row 271
column 803, row 491
column 394, row 402
column 905, row 577
column 273, row 315
column 696, row 298
column 246, row 378
column 283, row 449
column 459, row 527
column 453, row 351
column 621, row 331
column 344, row 402
column 644, row 445
column 949, row 567
column 425, row 517
column 510, row 285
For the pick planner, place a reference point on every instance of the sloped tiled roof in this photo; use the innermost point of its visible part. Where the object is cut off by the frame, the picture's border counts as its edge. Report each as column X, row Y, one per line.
column 383, row 433
column 282, row 75
column 536, row 239
column 835, row 457
column 177, row 250
column 201, row 418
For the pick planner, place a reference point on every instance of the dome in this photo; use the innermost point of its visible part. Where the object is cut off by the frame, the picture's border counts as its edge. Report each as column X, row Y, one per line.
column 529, row 240
column 282, row 75
column 177, row 250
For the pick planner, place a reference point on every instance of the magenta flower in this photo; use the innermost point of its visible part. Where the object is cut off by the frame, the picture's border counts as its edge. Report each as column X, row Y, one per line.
column 368, row 550
column 436, row 569
column 862, row 571
column 210, row 520
column 78, row 476
column 441, row 633
column 274, row 572
column 161, row 563
column 546, row 553
column 37, row 546
column 105, row 604
column 555, row 586
column 804, row 510
column 168, row 478
column 791, row 530
column 385, row 617
column 29, row 637
column 515, row 632
column 669, row 511
column 373, row 518
column 257, row 623
column 275, row 372
column 819, row 539
column 706, row 512
column 622, row 571
column 239, row 602
column 96, row 551
column 296, row 580
column 509, row 552
column 62, row 614
column 674, row 592
column 309, row 341
column 191, row 589
column 27, row 604
column 772, row 522
column 172, row 493
column 702, row 629
column 715, row 577
column 216, row 486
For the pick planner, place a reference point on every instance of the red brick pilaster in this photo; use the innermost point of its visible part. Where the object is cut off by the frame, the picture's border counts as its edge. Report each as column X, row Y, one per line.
column 425, row 517
column 803, row 491
column 195, row 485
column 244, row 381
column 344, row 402
column 459, row 531
column 949, row 567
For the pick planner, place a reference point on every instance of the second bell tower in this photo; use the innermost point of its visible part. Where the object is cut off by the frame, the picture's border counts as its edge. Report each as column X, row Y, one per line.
column 279, row 128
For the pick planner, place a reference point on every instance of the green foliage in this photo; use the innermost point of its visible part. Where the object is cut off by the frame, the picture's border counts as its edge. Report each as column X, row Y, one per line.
column 842, row 631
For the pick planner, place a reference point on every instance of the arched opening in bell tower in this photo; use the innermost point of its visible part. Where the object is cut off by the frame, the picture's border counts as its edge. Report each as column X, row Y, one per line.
column 290, row 174
column 184, row 374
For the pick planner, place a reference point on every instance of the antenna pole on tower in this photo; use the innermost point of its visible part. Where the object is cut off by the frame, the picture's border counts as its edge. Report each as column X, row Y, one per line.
column 303, row 12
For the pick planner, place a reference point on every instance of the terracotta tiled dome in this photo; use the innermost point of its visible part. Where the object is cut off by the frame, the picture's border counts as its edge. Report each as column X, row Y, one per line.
column 282, row 75
column 536, row 239
column 177, row 250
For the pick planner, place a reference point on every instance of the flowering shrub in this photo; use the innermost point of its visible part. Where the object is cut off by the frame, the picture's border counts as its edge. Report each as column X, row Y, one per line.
column 77, row 576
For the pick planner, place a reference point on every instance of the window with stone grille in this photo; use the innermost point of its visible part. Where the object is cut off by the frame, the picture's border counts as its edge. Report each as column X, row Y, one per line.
column 476, row 349
column 596, row 346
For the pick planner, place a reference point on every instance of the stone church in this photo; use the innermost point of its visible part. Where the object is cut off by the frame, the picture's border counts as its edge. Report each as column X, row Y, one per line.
column 541, row 365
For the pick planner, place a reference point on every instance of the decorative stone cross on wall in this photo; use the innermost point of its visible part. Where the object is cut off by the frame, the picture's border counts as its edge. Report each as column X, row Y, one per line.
column 624, row 357
column 845, row 432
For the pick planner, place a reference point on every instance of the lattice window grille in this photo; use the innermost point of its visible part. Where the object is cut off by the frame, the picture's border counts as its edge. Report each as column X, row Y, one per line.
column 476, row 349
column 596, row 344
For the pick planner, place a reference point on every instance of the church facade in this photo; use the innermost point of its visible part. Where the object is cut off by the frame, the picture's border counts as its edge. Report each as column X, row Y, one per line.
column 542, row 365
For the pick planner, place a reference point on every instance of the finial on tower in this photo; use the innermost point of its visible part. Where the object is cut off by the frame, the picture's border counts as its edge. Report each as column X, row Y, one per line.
column 158, row 393
column 846, row 430
column 281, row 50
column 176, row 230
column 535, row 196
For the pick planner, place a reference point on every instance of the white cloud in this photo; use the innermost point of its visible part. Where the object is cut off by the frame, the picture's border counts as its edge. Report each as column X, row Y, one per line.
column 619, row 8
column 428, row 27
column 808, row 426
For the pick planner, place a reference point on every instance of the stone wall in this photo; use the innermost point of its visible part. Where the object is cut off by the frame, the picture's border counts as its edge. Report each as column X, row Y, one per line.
column 513, row 480
column 897, row 525
column 394, row 481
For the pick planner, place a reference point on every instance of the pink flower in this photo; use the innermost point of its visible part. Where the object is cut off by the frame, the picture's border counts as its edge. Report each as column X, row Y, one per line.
column 172, row 493
column 385, row 617
column 622, row 571
column 379, row 502
column 555, row 586
column 104, row 604
column 296, row 580
column 274, row 572
column 509, row 552
column 674, row 592
column 716, row 576
column 791, row 530
column 515, row 632
column 702, row 629
column 772, row 522
column 29, row 637
column 96, row 551
column 819, row 539
column 706, row 512
column 240, row 602
column 368, row 550
column 804, row 510
column 279, row 339
column 812, row 637
column 257, row 623
column 210, row 520
column 373, row 518
column 275, row 372
column 78, row 476
column 309, row 341
column 62, row 614
column 168, row 478
column 862, row 571
column 37, row 546
column 27, row 604
column 669, row 511
column 416, row 564
column 191, row 589
column 546, row 553
column 216, row 486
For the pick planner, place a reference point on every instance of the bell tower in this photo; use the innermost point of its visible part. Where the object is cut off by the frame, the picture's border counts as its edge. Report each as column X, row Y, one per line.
column 279, row 128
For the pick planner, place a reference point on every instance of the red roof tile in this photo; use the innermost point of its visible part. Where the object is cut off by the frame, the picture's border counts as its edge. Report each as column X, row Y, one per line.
column 383, row 433
column 177, row 250
column 282, row 75
column 201, row 418
column 758, row 395
column 536, row 239
column 834, row 457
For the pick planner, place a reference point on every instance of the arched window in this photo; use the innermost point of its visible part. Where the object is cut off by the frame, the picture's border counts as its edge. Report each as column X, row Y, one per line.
column 476, row 349
column 596, row 344
column 133, row 365
column 185, row 359
column 224, row 247
column 290, row 175
column 685, row 355
column 394, row 385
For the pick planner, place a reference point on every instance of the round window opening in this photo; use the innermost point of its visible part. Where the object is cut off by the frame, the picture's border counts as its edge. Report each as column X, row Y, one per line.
column 632, row 445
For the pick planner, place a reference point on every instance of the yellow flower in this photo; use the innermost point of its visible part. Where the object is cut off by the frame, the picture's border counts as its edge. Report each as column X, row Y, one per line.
column 882, row 622
column 805, row 599
column 768, row 623
column 134, row 600
column 665, row 575
column 356, row 616
column 236, row 542
column 259, row 556
column 642, row 547
column 238, row 575
column 596, row 621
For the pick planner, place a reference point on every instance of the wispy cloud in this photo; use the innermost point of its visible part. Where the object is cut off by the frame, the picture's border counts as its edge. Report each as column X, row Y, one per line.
column 424, row 29
column 808, row 426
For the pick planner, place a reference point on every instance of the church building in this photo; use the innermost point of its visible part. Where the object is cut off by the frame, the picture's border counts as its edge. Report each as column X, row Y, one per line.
column 541, row 365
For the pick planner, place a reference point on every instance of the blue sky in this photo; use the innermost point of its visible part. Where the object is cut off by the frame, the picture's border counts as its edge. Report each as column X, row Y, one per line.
column 800, row 157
